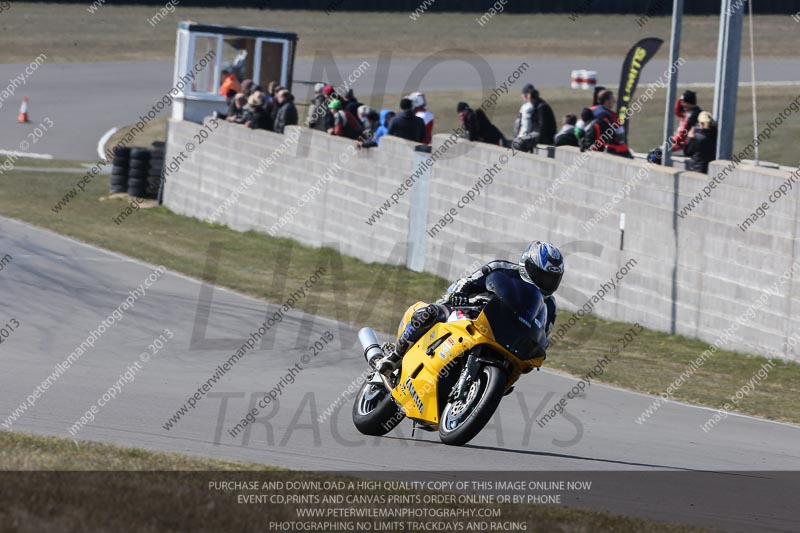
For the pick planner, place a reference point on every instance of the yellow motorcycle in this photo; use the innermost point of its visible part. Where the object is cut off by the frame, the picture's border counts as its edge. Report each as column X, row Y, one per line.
column 453, row 378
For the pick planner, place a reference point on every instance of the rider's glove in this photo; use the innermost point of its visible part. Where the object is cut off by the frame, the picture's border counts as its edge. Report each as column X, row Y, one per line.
column 457, row 299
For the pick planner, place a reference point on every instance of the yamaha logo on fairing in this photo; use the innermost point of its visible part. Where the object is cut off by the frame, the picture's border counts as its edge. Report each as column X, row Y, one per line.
column 414, row 395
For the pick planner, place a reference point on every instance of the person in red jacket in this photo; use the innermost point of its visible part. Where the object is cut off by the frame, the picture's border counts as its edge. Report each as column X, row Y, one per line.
column 603, row 133
column 344, row 123
column 687, row 110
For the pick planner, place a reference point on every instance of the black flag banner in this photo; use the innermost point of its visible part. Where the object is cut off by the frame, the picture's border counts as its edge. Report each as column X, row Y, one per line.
column 637, row 58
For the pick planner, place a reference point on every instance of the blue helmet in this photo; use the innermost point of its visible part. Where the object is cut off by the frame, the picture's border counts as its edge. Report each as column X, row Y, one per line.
column 542, row 265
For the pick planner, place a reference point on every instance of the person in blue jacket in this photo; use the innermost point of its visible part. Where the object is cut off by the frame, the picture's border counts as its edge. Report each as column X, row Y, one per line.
column 383, row 129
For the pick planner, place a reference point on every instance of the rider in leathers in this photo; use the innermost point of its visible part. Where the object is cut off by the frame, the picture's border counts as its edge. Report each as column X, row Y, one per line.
column 541, row 264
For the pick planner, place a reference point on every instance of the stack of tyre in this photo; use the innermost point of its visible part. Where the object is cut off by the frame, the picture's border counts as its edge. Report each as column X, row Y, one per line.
column 138, row 171
column 156, row 169
column 119, row 169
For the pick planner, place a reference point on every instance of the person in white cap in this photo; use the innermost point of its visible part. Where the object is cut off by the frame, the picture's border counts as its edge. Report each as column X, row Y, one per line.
column 419, row 103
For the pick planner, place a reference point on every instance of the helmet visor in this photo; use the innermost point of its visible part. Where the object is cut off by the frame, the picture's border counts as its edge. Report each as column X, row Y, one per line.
column 547, row 282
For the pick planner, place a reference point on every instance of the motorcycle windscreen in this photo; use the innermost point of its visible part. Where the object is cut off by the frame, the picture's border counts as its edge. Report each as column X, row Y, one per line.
column 517, row 315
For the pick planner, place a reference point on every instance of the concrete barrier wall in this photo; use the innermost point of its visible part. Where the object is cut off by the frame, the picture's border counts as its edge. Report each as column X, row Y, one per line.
column 695, row 275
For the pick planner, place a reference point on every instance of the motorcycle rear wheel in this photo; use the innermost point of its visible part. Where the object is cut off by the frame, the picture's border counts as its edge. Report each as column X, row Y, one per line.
column 461, row 421
column 374, row 411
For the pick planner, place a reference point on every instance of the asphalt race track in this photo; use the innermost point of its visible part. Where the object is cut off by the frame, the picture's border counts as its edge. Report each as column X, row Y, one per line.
column 91, row 98
column 59, row 290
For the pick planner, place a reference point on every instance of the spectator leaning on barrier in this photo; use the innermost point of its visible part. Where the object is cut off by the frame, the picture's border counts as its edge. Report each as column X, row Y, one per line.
column 256, row 117
column 229, row 96
column 583, row 122
column 586, row 117
column 362, row 112
column 418, row 102
column 688, row 111
column 701, row 145
column 238, row 109
column 287, row 111
column 567, row 137
column 407, row 125
column 371, row 124
column 329, row 92
column 477, row 126
column 535, row 124
column 383, row 128
column 344, row 123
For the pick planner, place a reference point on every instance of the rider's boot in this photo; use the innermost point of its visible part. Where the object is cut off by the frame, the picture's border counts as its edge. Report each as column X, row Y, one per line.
column 391, row 360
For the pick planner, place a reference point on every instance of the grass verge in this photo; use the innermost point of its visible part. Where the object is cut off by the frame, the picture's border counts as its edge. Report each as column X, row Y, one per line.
column 377, row 294
column 111, row 488
column 23, row 161
column 70, row 33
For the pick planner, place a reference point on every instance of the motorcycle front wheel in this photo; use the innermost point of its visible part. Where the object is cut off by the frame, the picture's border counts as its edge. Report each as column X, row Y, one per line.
column 374, row 411
column 462, row 420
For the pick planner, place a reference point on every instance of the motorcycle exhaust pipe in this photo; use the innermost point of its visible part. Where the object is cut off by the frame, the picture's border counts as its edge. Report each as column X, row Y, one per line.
column 372, row 346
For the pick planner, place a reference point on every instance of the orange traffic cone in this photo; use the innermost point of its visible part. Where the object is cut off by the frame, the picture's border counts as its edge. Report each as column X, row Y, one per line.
column 23, row 111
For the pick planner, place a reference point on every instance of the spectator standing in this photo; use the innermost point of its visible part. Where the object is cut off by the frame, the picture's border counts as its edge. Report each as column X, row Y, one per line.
column 344, row 123
column 597, row 90
column 407, row 125
column 419, row 102
column 229, row 82
column 256, row 117
column 477, row 127
column 544, row 120
column 272, row 89
column 524, row 139
column 272, row 104
column 317, row 109
column 602, row 132
column 287, row 111
column 351, row 103
column 566, row 136
column 247, row 87
column 701, row 144
column 688, row 111
column 330, row 92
